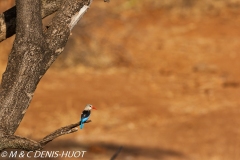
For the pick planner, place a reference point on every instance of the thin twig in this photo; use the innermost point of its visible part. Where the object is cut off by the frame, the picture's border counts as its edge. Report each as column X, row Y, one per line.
column 116, row 154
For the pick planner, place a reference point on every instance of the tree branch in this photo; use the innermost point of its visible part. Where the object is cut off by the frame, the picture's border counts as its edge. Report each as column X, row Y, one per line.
column 17, row 142
column 48, row 7
column 8, row 18
column 61, row 131
column 60, row 29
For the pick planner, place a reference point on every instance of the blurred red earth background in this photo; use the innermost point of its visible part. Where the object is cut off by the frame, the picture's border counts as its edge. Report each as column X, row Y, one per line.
column 164, row 76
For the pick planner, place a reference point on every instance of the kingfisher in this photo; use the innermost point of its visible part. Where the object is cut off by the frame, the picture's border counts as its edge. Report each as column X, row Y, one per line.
column 86, row 114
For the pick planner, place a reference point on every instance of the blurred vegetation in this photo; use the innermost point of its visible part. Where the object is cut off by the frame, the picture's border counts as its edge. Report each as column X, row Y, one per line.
column 101, row 51
column 91, row 43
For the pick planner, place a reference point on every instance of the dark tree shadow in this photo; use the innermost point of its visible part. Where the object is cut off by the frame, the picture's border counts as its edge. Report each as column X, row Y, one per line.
column 108, row 149
column 101, row 151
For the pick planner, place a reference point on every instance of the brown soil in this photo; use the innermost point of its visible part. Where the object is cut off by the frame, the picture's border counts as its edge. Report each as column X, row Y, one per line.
column 177, row 97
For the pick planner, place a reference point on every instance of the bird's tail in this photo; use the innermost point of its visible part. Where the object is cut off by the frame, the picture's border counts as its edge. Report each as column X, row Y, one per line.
column 81, row 125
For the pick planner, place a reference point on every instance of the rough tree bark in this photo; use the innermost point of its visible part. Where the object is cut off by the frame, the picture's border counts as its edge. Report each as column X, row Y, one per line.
column 32, row 54
column 8, row 18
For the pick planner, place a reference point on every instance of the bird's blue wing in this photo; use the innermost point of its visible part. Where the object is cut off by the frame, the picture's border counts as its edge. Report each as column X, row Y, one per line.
column 82, row 122
column 84, row 117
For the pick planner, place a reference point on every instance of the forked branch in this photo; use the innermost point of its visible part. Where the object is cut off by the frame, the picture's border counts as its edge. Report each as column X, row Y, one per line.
column 32, row 54
column 8, row 18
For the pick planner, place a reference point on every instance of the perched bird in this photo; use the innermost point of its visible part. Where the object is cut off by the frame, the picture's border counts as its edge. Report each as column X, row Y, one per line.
column 86, row 114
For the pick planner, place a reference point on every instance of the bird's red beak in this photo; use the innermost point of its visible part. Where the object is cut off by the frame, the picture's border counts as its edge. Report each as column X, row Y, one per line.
column 94, row 108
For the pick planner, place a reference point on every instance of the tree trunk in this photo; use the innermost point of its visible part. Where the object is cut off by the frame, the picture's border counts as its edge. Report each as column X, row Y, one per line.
column 32, row 54
column 24, row 68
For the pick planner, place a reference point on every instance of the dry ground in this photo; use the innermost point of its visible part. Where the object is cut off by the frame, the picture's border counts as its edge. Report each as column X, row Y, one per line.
column 173, row 94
